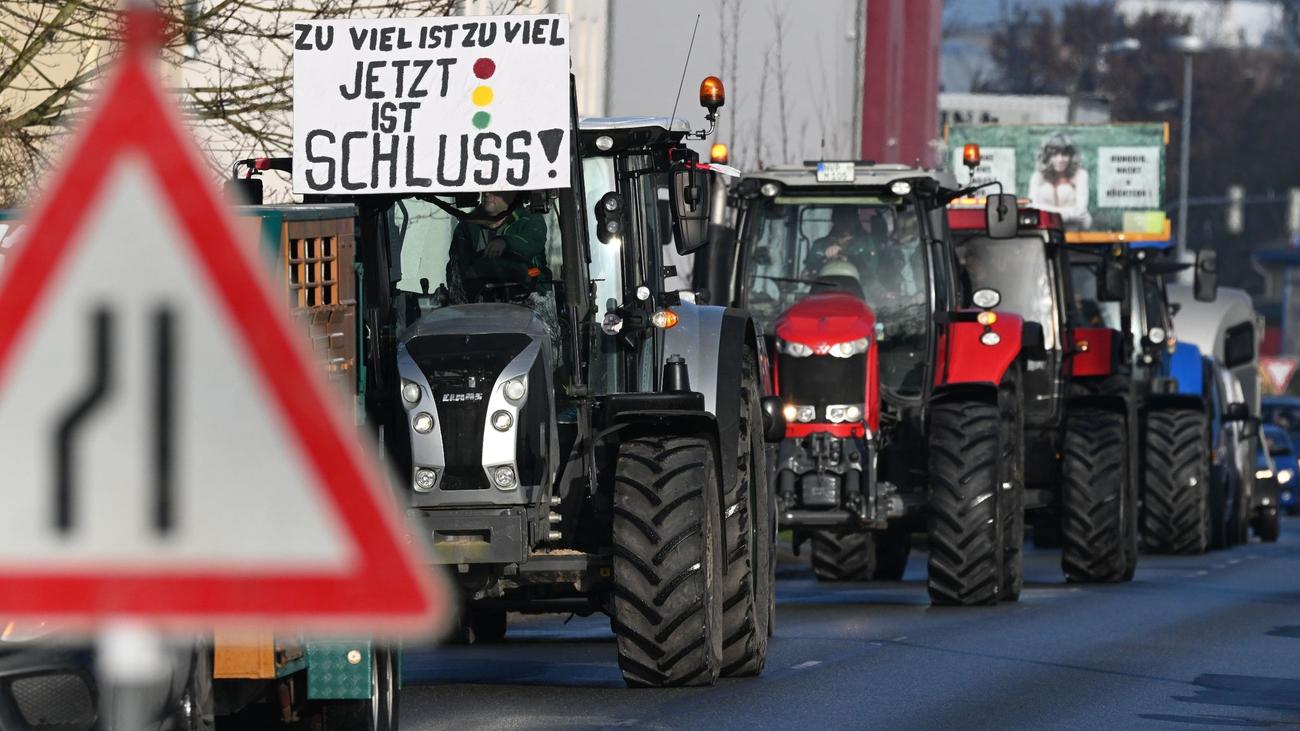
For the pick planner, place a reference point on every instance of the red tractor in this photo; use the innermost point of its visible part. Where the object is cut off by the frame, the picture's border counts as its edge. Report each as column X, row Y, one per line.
column 1080, row 419
column 903, row 405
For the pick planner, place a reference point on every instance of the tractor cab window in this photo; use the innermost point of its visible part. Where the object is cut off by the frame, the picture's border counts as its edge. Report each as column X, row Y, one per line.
column 1019, row 270
column 500, row 251
column 603, row 371
column 866, row 246
column 1087, row 310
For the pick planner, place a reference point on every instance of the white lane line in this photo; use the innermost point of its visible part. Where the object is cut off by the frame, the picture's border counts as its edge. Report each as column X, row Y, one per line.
column 900, row 638
column 806, row 665
column 1234, row 561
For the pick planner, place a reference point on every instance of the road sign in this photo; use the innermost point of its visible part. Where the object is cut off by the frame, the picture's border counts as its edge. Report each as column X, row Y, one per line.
column 1278, row 371
column 171, row 453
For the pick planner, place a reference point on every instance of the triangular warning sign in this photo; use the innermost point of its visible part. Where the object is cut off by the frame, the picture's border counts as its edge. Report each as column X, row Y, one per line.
column 171, row 453
column 1278, row 371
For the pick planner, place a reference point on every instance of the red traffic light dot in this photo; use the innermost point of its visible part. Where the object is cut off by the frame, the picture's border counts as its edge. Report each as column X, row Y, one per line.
column 484, row 68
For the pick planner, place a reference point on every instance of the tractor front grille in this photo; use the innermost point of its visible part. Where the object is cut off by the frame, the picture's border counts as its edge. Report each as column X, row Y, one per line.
column 819, row 380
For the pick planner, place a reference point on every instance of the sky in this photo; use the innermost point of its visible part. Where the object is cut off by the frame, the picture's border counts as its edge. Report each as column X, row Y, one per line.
column 648, row 50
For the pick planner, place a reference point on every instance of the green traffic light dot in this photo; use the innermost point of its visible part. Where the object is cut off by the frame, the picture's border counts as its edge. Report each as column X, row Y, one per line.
column 482, row 119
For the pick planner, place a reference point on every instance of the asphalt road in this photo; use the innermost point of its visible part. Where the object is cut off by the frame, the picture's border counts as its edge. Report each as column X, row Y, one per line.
column 1193, row 642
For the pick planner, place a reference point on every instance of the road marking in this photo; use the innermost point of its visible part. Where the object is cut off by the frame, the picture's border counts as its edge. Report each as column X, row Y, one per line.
column 806, row 665
column 1234, row 561
column 900, row 638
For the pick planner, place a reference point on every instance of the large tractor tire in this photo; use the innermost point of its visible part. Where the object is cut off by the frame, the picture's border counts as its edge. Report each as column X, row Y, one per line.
column 1176, row 514
column 668, row 563
column 966, row 475
column 1095, row 531
column 843, row 556
column 893, row 547
column 749, row 583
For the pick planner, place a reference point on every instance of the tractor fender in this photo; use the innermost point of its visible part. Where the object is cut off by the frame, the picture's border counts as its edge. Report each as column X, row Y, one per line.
column 1094, row 352
column 1185, row 367
column 967, row 360
column 712, row 340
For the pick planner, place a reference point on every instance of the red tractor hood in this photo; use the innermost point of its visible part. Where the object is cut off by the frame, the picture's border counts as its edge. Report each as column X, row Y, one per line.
column 823, row 320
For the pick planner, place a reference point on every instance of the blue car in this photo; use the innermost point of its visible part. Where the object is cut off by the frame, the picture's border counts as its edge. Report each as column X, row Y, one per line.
column 1285, row 467
column 1283, row 411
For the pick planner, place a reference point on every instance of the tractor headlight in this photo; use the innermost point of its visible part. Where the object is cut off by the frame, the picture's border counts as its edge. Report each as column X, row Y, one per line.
column 411, row 392
column 502, row 420
column 990, row 338
column 797, row 350
column 853, row 413
column 423, row 422
column 1284, row 476
column 806, row 414
column 851, row 348
column 835, row 413
column 425, row 479
column 515, row 389
column 504, row 476
column 1263, row 474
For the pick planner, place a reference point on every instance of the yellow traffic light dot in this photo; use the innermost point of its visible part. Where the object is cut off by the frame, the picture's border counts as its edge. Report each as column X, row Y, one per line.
column 482, row 96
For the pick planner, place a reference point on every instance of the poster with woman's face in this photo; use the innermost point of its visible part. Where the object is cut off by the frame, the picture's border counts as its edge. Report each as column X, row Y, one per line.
column 1098, row 177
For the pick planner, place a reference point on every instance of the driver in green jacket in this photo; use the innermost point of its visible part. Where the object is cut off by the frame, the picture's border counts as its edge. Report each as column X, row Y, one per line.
column 497, row 245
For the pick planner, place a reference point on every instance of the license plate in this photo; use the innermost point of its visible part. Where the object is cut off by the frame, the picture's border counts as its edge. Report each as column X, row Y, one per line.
column 835, row 172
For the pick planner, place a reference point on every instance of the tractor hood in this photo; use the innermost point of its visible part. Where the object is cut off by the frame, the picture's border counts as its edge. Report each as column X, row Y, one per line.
column 823, row 320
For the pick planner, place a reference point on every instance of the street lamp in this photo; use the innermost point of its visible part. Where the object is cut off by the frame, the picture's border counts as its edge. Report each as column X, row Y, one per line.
column 1189, row 46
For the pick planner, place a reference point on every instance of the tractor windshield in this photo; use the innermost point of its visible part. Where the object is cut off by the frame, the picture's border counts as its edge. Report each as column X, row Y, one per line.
column 501, row 252
column 868, row 246
column 1018, row 269
column 1088, row 310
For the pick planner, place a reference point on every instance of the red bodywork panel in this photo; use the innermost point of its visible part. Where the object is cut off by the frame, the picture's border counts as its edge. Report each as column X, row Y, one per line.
column 1093, row 352
column 964, row 359
column 819, row 322
column 972, row 220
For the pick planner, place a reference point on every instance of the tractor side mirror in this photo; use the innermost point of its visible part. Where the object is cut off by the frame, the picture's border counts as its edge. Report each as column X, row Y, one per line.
column 1000, row 216
column 1206, row 280
column 245, row 191
column 1237, row 411
column 773, row 419
column 1032, row 342
column 1250, row 427
column 1111, row 284
column 692, row 208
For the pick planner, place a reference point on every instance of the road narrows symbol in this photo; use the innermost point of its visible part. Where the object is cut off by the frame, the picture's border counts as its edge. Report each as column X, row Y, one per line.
column 101, row 368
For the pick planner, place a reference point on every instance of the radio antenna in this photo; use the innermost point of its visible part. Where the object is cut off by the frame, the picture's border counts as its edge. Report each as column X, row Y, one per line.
column 685, row 66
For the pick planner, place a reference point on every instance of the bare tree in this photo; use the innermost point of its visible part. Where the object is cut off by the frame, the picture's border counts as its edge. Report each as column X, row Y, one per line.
column 781, row 24
column 760, row 152
column 730, row 13
column 231, row 61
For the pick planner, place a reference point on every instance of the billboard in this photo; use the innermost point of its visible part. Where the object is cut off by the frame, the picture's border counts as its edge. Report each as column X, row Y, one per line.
column 1104, row 179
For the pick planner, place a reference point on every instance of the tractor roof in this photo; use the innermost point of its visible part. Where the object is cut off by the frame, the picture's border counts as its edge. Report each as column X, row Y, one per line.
column 865, row 174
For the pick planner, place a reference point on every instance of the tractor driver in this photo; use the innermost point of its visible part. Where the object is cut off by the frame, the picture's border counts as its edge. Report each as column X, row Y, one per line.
column 846, row 237
column 497, row 244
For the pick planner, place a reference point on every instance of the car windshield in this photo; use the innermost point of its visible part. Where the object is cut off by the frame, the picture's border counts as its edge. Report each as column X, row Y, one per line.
column 867, row 246
column 1278, row 444
column 1018, row 270
column 1286, row 416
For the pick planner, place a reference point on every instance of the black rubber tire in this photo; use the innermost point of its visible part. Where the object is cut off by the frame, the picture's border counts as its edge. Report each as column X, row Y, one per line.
column 965, row 534
column 1176, row 514
column 893, row 547
column 749, row 582
column 486, row 626
column 843, row 556
column 380, row 711
column 1094, row 473
column 1011, row 498
column 1269, row 525
column 668, row 575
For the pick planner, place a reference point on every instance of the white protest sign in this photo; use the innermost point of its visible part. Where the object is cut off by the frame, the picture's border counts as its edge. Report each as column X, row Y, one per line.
column 996, row 163
column 423, row 105
column 1128, row 177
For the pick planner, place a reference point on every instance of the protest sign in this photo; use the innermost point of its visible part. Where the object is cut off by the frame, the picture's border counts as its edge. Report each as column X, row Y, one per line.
column 426, row 105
